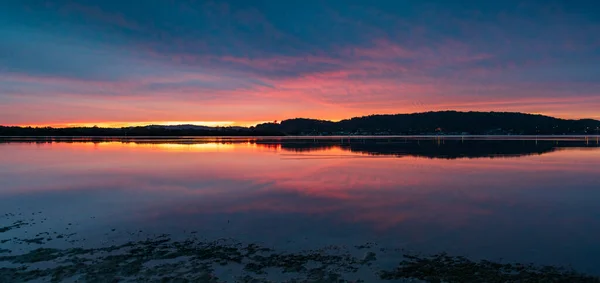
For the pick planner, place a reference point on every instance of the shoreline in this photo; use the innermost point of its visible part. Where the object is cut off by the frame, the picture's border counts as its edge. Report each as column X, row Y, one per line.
column 292, row 137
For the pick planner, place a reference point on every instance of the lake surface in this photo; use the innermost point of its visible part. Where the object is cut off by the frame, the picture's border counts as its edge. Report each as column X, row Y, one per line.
column 519, row 200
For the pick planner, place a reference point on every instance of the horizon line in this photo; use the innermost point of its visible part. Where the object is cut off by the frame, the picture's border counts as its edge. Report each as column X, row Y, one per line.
column 125, row 124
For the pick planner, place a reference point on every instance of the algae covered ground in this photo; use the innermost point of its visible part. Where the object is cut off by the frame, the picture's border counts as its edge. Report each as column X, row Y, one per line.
column 163, row 258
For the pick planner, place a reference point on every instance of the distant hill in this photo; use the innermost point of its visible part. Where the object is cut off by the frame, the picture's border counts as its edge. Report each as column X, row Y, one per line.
column 444, row 122
column 428, row 123
column 193, row 127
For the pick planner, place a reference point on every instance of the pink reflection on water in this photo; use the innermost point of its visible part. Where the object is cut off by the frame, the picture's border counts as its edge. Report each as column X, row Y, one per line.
column 248, row 177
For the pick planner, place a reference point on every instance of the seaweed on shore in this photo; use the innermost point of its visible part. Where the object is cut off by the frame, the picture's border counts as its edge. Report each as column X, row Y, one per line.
column 15, row 225
column 161, row 259
column 445, row 268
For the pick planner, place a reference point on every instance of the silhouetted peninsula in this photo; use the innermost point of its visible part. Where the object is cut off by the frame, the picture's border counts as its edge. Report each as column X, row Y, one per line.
column 439, row 123
column 428, row 123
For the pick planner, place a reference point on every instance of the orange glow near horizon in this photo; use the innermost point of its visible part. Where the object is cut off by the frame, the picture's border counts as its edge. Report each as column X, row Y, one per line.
column 115, row 124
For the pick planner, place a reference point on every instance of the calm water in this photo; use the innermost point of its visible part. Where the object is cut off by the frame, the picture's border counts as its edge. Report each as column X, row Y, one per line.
column 520, row 200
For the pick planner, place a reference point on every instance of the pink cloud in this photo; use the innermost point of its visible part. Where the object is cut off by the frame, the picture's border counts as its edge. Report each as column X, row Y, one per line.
column 383, row 77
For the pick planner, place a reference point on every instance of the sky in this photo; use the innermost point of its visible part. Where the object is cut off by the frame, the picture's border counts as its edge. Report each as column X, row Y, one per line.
column 116, row 63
